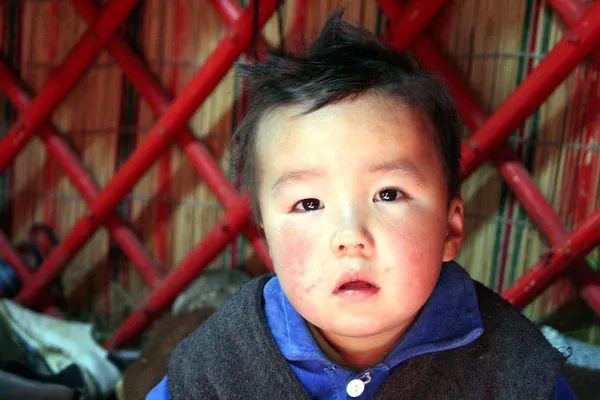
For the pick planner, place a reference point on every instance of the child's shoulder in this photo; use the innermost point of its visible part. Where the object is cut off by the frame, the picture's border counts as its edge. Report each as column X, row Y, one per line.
column 501, row 317
column 242, row 311
column 232, row 348
column 511, row 337
column 510, row 359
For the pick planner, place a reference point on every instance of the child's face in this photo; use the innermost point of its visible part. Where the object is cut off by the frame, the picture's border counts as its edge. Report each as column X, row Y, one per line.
column 375, row 190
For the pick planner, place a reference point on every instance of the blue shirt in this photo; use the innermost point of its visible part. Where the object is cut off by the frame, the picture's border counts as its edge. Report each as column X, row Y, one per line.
column 450, row 318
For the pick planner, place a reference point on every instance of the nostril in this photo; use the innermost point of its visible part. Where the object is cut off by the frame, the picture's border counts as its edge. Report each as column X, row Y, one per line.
column 357, row 246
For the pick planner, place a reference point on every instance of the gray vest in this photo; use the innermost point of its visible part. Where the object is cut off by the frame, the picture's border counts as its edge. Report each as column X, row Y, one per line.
column 233, row 355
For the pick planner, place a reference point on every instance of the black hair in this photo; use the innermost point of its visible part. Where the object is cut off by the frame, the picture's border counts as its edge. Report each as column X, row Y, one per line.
column 344, row 62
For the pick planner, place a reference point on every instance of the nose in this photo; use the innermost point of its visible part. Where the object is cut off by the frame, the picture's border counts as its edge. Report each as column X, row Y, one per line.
column 352, row 239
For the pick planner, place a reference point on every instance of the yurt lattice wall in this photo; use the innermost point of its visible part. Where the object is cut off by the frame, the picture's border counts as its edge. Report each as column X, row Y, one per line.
column 116, row 121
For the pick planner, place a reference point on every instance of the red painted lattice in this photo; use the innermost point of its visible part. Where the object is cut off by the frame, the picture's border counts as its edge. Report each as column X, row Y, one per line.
column 406, row 29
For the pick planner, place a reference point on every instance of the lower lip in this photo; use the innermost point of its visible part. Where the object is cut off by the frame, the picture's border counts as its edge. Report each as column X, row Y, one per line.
column 357, row 294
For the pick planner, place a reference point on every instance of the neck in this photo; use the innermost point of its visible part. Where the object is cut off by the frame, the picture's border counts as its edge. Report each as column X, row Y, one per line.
column 364, row 352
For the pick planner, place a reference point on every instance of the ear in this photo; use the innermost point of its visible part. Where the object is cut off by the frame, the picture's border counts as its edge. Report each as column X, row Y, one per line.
column 456, row 228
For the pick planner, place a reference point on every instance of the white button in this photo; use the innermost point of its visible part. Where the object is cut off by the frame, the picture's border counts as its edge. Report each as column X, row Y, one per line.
column 355, row 388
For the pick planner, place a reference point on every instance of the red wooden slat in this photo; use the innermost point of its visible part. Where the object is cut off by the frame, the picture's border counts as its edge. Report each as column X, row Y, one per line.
column 195, row 150
column 65, row 78
column 576, row 244
column 575, row 45
column 571, row 11
column 70, row 163
column 157, row 140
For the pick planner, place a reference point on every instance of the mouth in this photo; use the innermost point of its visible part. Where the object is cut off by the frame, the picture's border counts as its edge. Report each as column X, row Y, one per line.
column 355, row 287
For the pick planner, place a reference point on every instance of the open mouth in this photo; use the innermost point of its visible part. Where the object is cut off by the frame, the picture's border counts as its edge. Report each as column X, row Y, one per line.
column 356, row 289
column 356, row 285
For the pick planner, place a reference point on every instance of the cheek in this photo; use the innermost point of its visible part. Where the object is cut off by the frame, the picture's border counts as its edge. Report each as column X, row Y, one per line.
column 293, row 251
column 415, row 250
column 293, row 247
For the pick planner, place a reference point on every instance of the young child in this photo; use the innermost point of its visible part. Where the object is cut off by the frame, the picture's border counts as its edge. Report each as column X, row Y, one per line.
column 351, row 155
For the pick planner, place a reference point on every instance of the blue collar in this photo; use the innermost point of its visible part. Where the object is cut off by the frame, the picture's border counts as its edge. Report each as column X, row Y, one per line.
column 449, row 319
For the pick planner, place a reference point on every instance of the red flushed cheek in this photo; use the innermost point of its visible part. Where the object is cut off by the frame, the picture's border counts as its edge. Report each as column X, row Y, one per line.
column 294, row 248
column 294, row 252
column 416, row 251
column 408, row 254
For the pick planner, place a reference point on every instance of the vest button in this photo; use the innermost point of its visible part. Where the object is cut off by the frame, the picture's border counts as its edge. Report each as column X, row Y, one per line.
column 355, row 388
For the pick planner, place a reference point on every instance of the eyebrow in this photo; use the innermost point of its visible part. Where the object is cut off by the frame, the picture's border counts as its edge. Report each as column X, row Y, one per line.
column 294, row 176
column 405, row 166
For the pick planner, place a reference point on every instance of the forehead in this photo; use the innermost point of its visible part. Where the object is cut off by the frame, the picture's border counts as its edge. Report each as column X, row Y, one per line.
column 363, row 131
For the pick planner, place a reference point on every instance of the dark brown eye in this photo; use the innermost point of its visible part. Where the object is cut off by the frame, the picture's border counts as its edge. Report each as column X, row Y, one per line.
column 308, row 205
column 388, row 195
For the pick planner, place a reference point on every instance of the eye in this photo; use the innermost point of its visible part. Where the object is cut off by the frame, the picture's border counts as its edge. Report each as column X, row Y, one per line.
column 308, row 205
column 388, row 195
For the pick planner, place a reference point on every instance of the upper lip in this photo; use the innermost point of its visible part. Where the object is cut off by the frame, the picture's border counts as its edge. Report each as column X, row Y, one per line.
column 354, row 276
